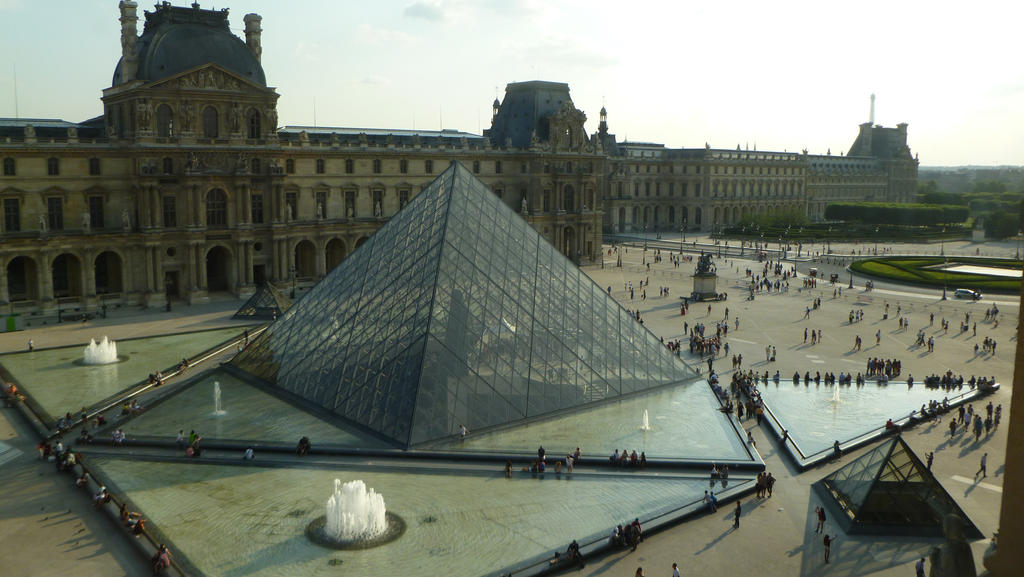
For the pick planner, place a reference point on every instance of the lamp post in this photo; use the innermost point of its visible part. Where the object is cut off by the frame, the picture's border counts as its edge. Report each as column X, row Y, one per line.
column 945, row 263
column 293, row 273
column 876, row 240
column 643, row 258
column 828, row 240
column 1018, row 245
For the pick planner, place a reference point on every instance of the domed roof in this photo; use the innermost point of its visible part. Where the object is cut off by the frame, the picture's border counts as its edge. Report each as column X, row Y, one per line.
column 177, row 39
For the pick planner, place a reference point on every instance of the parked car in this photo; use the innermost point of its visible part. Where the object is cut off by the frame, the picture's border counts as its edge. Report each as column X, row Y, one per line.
column 967, row 294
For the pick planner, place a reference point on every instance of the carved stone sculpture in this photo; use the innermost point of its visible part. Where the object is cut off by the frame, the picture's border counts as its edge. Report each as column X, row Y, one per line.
column 126, row 220
column 86, row 221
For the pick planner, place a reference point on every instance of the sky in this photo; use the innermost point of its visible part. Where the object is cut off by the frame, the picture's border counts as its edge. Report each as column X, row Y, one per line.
column 771, row 75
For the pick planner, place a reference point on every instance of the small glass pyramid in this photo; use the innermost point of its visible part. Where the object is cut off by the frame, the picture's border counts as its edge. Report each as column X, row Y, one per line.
column 890, row 491
column 266, row 303
column 457, row 312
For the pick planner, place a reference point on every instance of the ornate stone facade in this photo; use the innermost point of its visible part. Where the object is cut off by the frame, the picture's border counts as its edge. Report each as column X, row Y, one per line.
column 186, row 186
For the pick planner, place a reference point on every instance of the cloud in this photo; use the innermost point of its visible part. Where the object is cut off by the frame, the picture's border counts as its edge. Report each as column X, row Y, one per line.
column 375, row 80
column 567, row 52
column 425, row 10
column 369, row 34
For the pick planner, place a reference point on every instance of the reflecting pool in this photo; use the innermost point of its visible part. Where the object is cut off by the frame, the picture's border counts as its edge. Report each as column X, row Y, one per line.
column 237, row 520
column 249, row 414
column 685, row 423
column 59, row 383
column 815, row 419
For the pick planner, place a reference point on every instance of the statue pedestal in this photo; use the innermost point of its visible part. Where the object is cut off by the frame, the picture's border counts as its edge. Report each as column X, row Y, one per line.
column 705, row 285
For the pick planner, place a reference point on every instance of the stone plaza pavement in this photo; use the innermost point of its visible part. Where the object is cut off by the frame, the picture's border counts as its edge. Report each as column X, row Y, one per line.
column 48, row 528
column 777, row 535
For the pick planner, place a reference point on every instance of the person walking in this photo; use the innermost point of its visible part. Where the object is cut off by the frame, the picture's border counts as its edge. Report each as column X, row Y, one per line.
column 675, row 570
column 820, row 511
column 982, row 469
column 930, row 457
column 919, row 568
column 828, row 544
column 736, row 522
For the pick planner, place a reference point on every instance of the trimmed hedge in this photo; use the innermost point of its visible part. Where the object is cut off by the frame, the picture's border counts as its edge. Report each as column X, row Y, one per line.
column 915, row 270
column 896, row 213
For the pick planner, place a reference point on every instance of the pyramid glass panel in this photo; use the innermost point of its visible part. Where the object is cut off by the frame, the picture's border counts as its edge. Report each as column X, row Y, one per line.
column 457, row 313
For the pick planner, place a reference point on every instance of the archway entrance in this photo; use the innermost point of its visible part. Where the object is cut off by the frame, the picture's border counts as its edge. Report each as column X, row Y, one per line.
column 67, row 276
column 22, row 279
column 108, row 273
column 305, row 259
column 334, row 254
column 360, row 242
column 219, row 270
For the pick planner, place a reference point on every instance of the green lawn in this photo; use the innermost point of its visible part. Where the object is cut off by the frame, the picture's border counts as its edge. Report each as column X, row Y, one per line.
column 915, row 270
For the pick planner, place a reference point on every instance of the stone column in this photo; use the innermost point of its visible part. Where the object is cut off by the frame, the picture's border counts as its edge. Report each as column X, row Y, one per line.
column 88, row 274
column 200, row 218
column 193, row 277
column 201, row 265
column 246, row 204
column 249, row 263
column 158, row 269
column 149, row 269
column 278, row 204
column 193, row 192
column 155, row 208
column 5, row 297
column 44, row 275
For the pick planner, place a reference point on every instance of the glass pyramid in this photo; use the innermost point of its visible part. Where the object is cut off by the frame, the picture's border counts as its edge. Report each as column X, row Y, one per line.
column 890, row 491
column 266, row 303
column 457, row 312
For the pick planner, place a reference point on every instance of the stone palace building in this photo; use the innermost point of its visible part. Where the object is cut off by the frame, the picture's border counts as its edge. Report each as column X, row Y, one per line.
column 186, row 185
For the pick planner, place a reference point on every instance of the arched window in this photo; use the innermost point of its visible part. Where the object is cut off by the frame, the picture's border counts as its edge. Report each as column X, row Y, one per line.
column 253, row 122
column 216, row 208
column 211, row 122
column 164, row 121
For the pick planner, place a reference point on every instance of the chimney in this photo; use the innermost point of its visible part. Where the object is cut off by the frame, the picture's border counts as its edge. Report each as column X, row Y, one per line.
column 129, row 36
column 252, row 34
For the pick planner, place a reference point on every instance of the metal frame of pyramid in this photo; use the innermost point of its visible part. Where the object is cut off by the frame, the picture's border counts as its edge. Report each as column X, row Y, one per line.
column 889, row 491
column 457, row 312
column 267, row 303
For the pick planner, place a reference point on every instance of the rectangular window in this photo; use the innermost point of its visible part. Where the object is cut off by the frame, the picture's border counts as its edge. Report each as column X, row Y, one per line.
column 647, row 188
column 94, row 167
column 499, row 192
column 522, row 168
column 684, row 190
column 291, row 200
column 376, row 166
column 428, row 166
column 349, row 166
column 289, row 165
column 9, row 168
column 52, row 167
column 257, row 208
column 671, row 189
column 403, row 166
column 403, row 198
column 321, row 204
column 170, row 209
column 319, row 166
column 96, row 211
column 55, row 212
column 696, row 191
column 497, row 167
column 476, row 167
column 12, row 215
column 168, row 165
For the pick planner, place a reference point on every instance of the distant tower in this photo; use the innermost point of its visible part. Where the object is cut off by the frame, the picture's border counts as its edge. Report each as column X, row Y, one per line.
column 494, row 109
column 871, row 117
column 603, row 126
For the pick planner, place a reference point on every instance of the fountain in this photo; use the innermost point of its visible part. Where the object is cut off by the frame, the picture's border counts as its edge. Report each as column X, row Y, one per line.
column 356, row 519
column 835, row 395
column 217, row 408
column 645, row 424
column 102, row 353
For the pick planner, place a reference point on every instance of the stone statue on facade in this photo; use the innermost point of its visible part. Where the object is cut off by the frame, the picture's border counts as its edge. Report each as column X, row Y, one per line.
column 350, row 212
column 376, row 209
column 236, row 117
column 86, row 221
column 30, row 131
column 186, row 116
column 524, row 204
column 954, row 557
column 288, row 213
column 319, row 211
column 42, row 224
column 126, row 220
